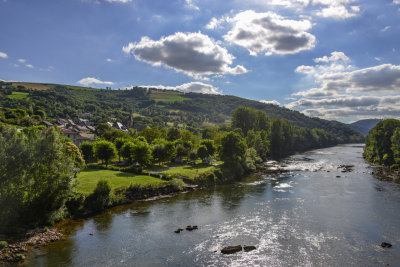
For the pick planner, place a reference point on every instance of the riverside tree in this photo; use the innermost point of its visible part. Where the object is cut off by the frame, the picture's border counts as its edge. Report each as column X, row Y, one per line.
column 105, row 151
column 36, row 177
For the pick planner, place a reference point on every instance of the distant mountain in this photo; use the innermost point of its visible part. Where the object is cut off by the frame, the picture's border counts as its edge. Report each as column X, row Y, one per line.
column 363, row 126
column 141, row 106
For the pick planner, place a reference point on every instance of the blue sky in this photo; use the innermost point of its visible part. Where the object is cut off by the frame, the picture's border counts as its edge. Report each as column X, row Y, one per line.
column 334, row 59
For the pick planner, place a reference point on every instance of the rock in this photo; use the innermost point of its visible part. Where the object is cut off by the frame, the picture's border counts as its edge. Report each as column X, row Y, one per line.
column 248, row 248
column 338, row 176
column 191, row 228
column 91, row 234
column 178, row 230
column 386, row 245
column 231, row 249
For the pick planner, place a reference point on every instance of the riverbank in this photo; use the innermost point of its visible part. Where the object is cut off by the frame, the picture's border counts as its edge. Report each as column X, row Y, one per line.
column 385, row 173
column 302, row 218
column 18, row 248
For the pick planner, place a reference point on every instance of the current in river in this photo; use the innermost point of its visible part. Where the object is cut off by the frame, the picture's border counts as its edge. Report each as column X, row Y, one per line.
column 306, row 217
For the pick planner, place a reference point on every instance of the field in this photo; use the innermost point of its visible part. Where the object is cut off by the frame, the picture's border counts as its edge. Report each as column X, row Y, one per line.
column 167, row 96
column 18, row 95
column 189, row 171
column 88, row 178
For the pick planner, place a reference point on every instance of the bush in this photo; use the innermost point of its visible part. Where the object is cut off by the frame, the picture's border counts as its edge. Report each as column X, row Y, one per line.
column 100, row 198
column 178, row 184
column 3, row 244
column 395, row 167
column 75, row 203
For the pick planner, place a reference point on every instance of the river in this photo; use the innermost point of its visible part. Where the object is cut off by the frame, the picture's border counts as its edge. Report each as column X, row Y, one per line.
column 306, row 217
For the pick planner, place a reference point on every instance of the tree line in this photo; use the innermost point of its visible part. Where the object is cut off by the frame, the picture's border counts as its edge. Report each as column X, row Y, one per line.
column 38, row 168
column 382, row 144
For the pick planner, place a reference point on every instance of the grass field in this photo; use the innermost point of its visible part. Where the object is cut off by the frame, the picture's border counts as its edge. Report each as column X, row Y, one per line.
column 18, row 95
column 189, row 171
column 167, row 96
column 88, row 178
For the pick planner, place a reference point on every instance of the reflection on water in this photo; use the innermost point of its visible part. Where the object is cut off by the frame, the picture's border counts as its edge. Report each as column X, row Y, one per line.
column 306, row 217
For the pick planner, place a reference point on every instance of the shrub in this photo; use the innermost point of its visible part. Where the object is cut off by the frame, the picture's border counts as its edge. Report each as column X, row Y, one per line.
column 100, row 198
column 395, row 167
column 178, row 184
column 3, row 244
column 75, row 203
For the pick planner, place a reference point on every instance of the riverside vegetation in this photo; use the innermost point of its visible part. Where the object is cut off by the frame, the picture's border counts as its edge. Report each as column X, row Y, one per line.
column 42, row 180
column 382, row 144
column 44, row 177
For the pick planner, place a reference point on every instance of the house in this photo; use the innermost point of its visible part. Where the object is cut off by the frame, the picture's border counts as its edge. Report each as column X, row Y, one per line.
column 70, row 134
column 83, row 137
column 47, row 124
column 120, row 126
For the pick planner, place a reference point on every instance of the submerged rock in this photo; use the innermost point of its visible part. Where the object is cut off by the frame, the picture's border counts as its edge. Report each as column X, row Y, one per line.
column 248, row 248
column 231, row 249
column 386, row 245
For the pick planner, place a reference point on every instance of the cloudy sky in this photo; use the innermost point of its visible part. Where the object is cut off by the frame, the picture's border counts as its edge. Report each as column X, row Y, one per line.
column 334, row 59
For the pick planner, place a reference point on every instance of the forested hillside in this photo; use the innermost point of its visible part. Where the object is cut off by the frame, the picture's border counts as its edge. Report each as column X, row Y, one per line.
column 364, row 126
column 142, row 107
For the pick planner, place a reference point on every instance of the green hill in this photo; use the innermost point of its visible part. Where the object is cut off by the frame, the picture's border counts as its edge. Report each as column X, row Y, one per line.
column 364, row 126
column 148, row 106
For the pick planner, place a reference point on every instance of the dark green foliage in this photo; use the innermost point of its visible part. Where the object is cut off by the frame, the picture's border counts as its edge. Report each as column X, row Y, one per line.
column 100, row 198
column 87, row 151
column 36, row 177
column 105, row 151
column 3, row 244
column 382, row 143
column 210, row 147
column 233, row 148
column 75, row 203
column 119, row 142
column 202, row 152
column 173, row 134
column 142, row 154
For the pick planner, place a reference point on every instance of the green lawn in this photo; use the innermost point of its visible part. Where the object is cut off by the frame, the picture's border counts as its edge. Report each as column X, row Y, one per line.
column 18, row 95
column 189, row 171
column 88, row 178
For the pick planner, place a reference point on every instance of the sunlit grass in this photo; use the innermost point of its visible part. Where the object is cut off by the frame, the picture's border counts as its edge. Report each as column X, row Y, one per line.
column 88, row 178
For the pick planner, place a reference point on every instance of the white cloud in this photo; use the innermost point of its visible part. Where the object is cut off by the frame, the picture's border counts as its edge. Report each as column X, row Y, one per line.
column 382, row 78
column 192, row 4
column 335, row 56
column 21, row 60
column 29, row 66
column 396, row 2
column 270, row 33
column 385, row 28
column 216, row 23
column 305, row 69
column 3, row 55
column 337, row 9
column 108, row 59
column 272, row 102
column 344, row 92
column 90, row 80
column 193, row 87
column 194, row 54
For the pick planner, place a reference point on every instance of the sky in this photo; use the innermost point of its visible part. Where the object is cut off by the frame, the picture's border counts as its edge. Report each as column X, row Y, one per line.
column 333, row 59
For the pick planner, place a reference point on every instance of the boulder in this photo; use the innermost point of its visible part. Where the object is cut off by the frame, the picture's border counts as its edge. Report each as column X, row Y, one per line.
column 386, row 245
column 248, row 248
column 231, row 249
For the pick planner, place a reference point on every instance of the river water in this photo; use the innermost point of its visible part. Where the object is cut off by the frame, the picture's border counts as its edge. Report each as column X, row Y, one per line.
column 306, row 217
